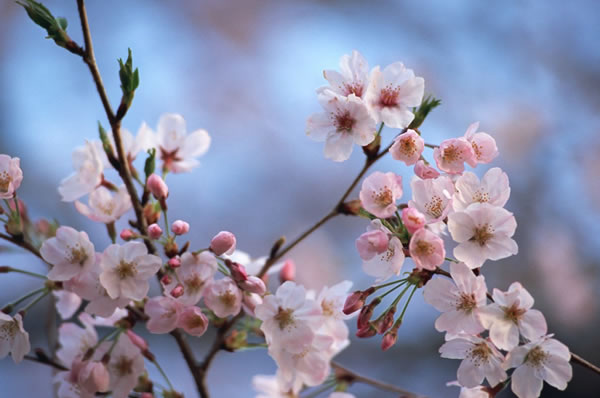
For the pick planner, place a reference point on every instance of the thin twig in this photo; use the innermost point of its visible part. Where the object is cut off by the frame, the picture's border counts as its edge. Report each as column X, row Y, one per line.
column 585, row 363
column 47, row 361
column 23, row 244
column 432, row 146
column 351, row 376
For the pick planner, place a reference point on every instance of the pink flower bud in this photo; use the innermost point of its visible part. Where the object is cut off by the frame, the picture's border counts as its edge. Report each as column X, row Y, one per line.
column 354, row 302
column 372, row 243
column 254, row 285
column 413, row 219
column 288, row 271
column 137, row 340
column 223, row 243
column 166, row 280
column 147, row 395
column 250, row 301
column 180, row 227
column 387, row 321
column 177, row 291
column 238, row 272
column 367, row 331
column 93, row 377
column 193, row 321
column 154, row 231
column 174, row 262
column 424, row 171
column 389, row 339
column 157, row 187
column 127, row 234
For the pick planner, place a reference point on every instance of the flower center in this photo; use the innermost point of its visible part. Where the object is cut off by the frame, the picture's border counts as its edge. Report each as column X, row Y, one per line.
column 169, row 157
column 126, row 270
column 107, row 209
column 481, row 196
column 5, row 181
column 424, row 248
column 536, row 357
column 8, row 330
column 466, row 303
column 353, row 88
column 389, row 96
column 476, row 149
column 384, row 197
column 227, row 299
column 77, row 255
column 328, row 308
column 479, row 354
column 451, row 154
column 483, row 234
column 195, row 322
column 344, row 122
column 389, row 254
column 407, row 146
column 434, row 206
column 285, row 318
column 193, row 284
column 514, row 313
column 123, row 366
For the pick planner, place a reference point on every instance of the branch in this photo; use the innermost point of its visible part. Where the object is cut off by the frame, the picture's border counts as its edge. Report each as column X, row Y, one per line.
column 23, row 244
column 351, row 377
column 46, row 361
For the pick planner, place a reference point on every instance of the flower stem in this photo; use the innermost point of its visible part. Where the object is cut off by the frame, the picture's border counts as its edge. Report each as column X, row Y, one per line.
column 22, row 271
column 164, row 375
column 408, row 302
column 35, row 301
column 25, row 297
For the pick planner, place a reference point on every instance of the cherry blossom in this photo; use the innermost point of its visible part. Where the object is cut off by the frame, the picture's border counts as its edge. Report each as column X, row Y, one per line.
column 493, row 189
column 432, row 197
column 223, row 297
column 180, row 227
column 386, row 264
column 379, row 193
column 83, row 380
column 105, row 207
column 481, row 360
column 408, row 147
column 391, row 94
column 126, row 364
column 344, row 122
column 126, row 270
column 372, row 243
column 88, row 165
column 332, row 300
column 484, row 145
column 459, row 300
column 10, row 176
column 164, row 313
column 353, row 77
column 157, row 186
column 412, row 219
column 542, row 360
column 195, row 273
column 271, row 387
column 13, row 338
column 67, row 303
column 452, row 154
column 223, row 243
column 427, row 249
column 289, row 318
column 75, row 341
column 70, row 252
column 483, row 232
column 424, row 171
column 475, row 392
column 177, row 149
column 193, row 321
column 511, row 314
column 143, row 141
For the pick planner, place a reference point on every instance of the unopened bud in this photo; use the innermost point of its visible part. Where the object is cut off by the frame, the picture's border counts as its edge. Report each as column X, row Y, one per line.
column 367, row 331
column 127, row 234
column 386, row 321
column 177, row 291
column 154, row 231
column 180, row 227
column 4, row 269
column 137, row 340
column 350, row 208
column 254, row 285
column 166, row 279
column 152, row 213
column 223, row 243
column 413, row 219
column 157, row 187
column 354, row 302
column 238, row 271
column 366, row 313
column 171, row 248
column 389, row 339
column 288, row 271
column 174, row 262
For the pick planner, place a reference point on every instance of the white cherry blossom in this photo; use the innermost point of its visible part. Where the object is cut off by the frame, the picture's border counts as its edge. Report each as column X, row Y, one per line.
column 484, row 145
column 104, row 206
column 388, row 263
column 67, row 303
column 88, row 165
column 432, row 197
column 493, row 189
column 483, row 232
column 70, row 252
column 223, row 297
column 332, row 299
column 353, row 77
column 195, row 273
column 272, row 386
column 125, row 366
column 10, row 176
column 13, row 338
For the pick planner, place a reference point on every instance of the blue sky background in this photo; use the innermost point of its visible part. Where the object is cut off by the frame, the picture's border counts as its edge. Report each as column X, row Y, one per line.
column 246, row 71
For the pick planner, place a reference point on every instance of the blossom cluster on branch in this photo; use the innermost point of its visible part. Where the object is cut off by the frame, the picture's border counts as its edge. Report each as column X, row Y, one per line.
column 102, row 294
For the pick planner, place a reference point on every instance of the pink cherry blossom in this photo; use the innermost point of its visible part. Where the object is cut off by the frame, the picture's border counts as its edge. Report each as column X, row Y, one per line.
column 344, row 122
column 126, row 364
column 391, row 94
column 372, row 243
column 353, row 77
column 452, row 155
column 483, row 232
column 223, row 297
column 412, row 219
column 177, row 149
column 154, row 231
column 126, row 270
column 70, row 252
column 164, row 313
column 223, row 243
column 379, row 193
column 143, row 141
column 180, row 227
column 67, row 303
column 424, row 171
column 427, row 249
column 105, row 207
column 13, row 338
column 75, row 341
column 272, row 387
column 93, row 377
column 493, row 189
column 542, row 360
column 484, row 145
column 475, row 392
column 511, row 314
column 87, row 162
column 432, row 197
column 481, row 360
column 382, row 266
column 249, row 303
column 157, row 186
column 195, row 273
column 289, row 318
column 408, row 147
column 332, row 300
column 288, row 271
column 459, row 300
column 193, row 321
column 10, row 176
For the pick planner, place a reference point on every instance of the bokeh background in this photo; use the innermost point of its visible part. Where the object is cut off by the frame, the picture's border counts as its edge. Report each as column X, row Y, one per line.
column 247, row 71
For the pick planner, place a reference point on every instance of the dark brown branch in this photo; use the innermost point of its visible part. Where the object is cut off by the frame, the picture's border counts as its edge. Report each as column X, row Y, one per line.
column 46, row 361
column 23, row 244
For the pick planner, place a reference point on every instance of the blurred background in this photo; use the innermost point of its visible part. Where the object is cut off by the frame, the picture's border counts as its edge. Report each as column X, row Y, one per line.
column 247, row 71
